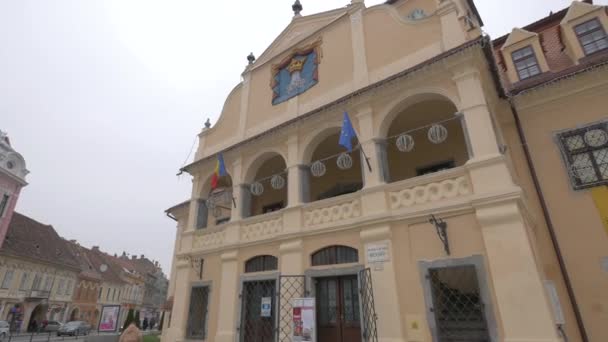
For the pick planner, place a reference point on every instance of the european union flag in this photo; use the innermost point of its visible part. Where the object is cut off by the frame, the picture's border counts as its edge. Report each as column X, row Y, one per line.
column 347, row 134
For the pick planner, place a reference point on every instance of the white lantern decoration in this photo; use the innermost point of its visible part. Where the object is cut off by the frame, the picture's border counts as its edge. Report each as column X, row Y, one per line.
column 405, row 143
column 256, row 188
column 277, row 182
column 344, row 161
column 318, row 169
column 437, row 134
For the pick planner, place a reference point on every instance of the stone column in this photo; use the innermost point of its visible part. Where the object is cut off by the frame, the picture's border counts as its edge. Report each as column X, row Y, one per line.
column 368, row 144
column 237, row 190
column 521, row 301
column 226, row 323
column 385, row 285
column 294, row 188
column 179, row 313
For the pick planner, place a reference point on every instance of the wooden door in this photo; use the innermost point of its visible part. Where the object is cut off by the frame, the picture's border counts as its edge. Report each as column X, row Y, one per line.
column 338, row 318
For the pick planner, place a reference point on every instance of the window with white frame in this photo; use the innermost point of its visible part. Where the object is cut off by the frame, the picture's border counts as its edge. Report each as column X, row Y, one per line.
column 525, row 63
column 24, row 279
column 4, row 204
column 61, row 286
column 585, row 152
column 68, row 289
column 8, row 278
column 592, row 36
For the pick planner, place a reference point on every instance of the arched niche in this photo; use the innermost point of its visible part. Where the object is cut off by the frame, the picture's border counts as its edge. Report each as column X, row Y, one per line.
column 261, row 263
column 334, row 255
column 266, row 185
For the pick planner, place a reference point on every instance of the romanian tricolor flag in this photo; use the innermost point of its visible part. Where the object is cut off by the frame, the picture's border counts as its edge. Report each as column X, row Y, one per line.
column 219, row 172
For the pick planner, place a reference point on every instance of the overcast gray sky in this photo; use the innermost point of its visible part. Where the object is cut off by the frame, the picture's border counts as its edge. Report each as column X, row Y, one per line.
column 104, row 99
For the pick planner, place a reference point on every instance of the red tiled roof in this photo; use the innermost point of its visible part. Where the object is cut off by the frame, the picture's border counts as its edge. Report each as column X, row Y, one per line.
column 87, row 269
column 27, row 238
column 560, row 64
column 113, row 272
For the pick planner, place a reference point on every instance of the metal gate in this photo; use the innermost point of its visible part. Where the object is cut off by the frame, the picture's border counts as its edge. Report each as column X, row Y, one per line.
column 254, row 327
column 290, row 287
column 368, row 309
column 458, row 309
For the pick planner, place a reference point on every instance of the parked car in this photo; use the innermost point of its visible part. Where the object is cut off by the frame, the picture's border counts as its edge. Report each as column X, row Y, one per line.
column 4, row 330
column 52, row 326
column 74, row 328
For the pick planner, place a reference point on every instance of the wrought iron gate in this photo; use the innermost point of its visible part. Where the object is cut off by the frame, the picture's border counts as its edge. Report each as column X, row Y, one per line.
column 290, row 287
column 368, row 309
column 254, row 327
column 458, row 309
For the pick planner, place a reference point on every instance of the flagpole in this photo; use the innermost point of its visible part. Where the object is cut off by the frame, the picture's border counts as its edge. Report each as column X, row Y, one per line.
column 369, row 165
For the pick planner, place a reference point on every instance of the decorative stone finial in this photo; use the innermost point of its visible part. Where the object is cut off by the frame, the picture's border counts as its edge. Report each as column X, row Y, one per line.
column 251, row 58
column 207, row 124
column 297, row 8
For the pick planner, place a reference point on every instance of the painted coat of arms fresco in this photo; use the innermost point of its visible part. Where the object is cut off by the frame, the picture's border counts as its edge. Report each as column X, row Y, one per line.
column 296, row 74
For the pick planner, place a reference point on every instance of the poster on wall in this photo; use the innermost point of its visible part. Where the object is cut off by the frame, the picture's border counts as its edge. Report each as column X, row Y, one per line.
column 303, row 320
column 109, row 319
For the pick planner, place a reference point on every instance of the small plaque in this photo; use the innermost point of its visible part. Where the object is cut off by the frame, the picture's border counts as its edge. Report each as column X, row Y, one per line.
column 266, row 307
column 378, row 252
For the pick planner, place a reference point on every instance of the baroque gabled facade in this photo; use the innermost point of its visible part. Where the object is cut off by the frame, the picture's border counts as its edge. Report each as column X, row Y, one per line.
column 429, row 229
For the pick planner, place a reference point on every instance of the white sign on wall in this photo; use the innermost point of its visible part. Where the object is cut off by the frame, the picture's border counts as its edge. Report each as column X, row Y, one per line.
column 378, row 252
column 266, row 307
column 303, row 317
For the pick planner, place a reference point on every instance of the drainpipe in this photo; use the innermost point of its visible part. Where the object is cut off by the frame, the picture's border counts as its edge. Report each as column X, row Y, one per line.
column 554, row 241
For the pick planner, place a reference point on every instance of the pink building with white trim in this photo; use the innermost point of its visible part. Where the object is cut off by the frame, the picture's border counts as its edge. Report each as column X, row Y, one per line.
column 12, row 179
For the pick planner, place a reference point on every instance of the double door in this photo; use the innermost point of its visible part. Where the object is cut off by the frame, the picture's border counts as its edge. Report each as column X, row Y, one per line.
column 258, row 326
column 338, row 311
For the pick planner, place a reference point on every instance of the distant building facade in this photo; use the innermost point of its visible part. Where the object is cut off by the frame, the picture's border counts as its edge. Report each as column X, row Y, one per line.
column 86, row 293
column 38, row 272
column 12, row 178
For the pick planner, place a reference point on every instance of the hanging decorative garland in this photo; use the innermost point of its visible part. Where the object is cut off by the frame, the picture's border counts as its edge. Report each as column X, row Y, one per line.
column 437, row 134
column 345, row 161
column 405, row 143
column 256, row 188
column 277, row 182
column 318, row 169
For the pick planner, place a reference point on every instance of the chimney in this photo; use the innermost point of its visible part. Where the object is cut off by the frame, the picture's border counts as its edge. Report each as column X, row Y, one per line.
column 141, row 257
column 73, row 241
column 115, row 255
column 96, row 248
column 124, row 254
column 133, row 257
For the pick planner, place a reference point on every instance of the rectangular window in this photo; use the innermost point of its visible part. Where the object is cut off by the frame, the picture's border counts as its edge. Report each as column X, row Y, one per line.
column 8, row 278
column 592, row 36
column 100, row 291
column 24, row 279
column 37, row 281
column 68, row 290
column 4, row 204
column 525, row 63
column 454, row 296
column 61, row 286
column 108, row 295
column 197, row 314
column 585, row 152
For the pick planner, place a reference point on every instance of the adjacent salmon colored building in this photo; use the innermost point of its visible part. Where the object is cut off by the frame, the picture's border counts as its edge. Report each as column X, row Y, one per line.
column 472, row 206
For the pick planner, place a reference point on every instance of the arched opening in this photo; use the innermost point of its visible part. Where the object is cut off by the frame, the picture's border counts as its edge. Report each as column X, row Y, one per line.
column 37, row 317
column 424, row 138
column 261, row 263
column 334, row 255
column 75, row 314
column 215, row 206
column 267, row 190
column 333, row 170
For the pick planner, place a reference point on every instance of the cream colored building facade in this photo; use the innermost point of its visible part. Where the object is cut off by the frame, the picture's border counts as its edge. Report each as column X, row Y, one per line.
column 294, row 217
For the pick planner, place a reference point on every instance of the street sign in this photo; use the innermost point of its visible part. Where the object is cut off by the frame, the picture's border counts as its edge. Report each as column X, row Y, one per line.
column 266, row 307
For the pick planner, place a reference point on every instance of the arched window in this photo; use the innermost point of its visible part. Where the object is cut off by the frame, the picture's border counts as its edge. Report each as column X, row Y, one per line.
column 334, row 255
column 261, row 263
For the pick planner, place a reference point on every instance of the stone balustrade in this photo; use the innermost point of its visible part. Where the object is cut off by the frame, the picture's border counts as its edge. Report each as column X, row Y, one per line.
column 404, row 197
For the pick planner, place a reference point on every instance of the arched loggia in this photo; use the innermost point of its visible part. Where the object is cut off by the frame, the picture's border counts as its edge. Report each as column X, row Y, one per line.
column 266, row 189
column 423, row 138
column 215, row 204
column 329, row 174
